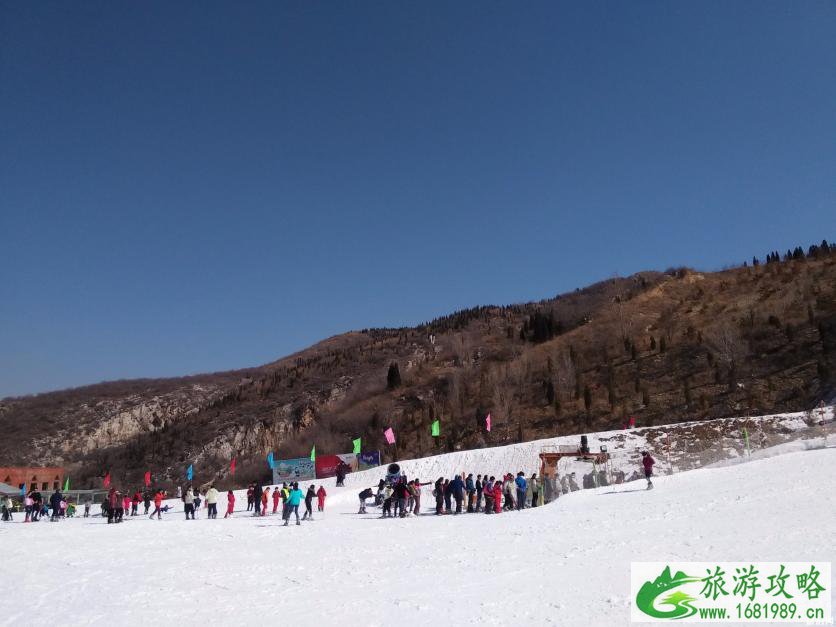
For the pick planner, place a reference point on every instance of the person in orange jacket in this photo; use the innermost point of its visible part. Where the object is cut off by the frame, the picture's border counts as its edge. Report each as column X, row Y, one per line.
column 230, row 503
column 276, row 496
column 264, row 502
column 320, row 499
column 497, row 497
column 158, row 503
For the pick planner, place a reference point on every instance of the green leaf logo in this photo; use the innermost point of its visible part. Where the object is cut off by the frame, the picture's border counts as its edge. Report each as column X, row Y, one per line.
column 678, row 600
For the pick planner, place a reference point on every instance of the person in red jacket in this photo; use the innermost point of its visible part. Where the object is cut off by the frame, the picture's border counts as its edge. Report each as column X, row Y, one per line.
column 230, row 503
column 135, row 501
column 276, row 496
column 320, row 499
column 647, row 462
column 158, row 503
column 263, row 503
column 497, row 497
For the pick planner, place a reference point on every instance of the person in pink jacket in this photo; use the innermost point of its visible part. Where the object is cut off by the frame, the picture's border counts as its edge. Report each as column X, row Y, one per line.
column 497, row 497
column 320, row 498
column 230, row 504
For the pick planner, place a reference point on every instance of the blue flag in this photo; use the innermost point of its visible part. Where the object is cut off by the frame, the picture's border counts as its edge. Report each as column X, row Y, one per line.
column 189, row 472
column 270, row 460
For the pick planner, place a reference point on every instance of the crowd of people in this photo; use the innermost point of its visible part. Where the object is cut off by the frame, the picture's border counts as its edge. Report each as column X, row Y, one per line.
column 400, row 497
column 290, row 497
column 397, row 496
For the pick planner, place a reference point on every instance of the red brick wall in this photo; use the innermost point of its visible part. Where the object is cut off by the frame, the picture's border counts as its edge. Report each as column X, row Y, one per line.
column 33, row 477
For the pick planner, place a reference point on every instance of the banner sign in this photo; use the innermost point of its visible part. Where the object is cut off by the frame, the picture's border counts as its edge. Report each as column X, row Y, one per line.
column 326, row 465
column 293, row 470
column 368, row 460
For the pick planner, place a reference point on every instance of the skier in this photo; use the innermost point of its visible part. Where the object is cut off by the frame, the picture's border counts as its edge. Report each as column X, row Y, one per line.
column 522, row 484
column 126, row 503
column 212, row 502
column 438, row 493
column 55, row 503
column 158, row 501
column 87, row 508
column 320, row 496
column 135, row 501
column 197, row 500
column 457, row 492
column 256, row 499
column 470, row 488
column 487, row 488
column 497, row 497
column 250, row 497
column 230, row 504
column 146, row 501
column 309, row 496
column 535, row 490
column 293, row 504
column 478, row 487
column 188, row 503
column 401, row 492
column 264, row 501
column 647, row 462
column 276, row 496
column 365, row 494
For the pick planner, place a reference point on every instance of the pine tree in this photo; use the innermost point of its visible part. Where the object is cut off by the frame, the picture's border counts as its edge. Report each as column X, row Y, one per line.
column 393, row 377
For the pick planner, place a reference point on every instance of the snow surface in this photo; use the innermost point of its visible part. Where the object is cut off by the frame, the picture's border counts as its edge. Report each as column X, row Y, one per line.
column 567, row 563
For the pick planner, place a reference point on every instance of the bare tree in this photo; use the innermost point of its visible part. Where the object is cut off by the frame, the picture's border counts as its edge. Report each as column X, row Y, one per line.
column 726, row 341
column 566, row 374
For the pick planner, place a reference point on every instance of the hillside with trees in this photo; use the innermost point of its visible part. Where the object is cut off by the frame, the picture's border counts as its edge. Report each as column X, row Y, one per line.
column 660, row 347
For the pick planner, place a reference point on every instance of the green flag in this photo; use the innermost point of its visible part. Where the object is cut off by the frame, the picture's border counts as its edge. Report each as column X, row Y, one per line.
column 436, row 428
column 357, row 444
column 67, row 483
column 313, row 453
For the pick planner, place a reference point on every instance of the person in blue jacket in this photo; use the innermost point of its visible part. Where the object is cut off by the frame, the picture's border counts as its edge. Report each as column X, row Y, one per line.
column 293, row 500
column 457, row 488
column 521, row 486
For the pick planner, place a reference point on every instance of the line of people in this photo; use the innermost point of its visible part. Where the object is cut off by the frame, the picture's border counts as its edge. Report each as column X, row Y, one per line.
column 402, row 497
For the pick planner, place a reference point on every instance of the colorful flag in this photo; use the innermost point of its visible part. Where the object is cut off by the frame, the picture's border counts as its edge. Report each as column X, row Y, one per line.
column 147, row 478
column 67, row 483
column 357, row 444
column 313, row 453
column 390, row 436
column 270, row 463
column 107, row 480
column 189, row 472
column 488, row 422
column 232, row 467
column 632, row 421
column 436, row 428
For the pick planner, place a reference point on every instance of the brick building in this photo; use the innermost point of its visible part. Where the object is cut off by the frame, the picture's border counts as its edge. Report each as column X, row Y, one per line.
column 38, row 478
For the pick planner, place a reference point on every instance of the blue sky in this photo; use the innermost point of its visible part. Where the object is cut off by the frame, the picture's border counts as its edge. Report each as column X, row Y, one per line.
column 189, row 187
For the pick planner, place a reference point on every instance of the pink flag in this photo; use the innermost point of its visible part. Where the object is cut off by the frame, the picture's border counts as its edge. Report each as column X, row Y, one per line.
column 390, row 436
column 488, row 422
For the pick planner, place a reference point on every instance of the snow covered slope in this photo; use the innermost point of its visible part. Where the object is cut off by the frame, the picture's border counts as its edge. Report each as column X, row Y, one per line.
column 565, row 564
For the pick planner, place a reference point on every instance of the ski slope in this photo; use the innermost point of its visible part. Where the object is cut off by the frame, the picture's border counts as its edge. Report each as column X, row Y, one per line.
column 567, row 563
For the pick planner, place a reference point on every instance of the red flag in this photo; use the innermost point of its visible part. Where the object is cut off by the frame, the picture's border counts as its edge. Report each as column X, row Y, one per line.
column 232, row 467
column 148, row 479
column 107, row 480
column 632, row 421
